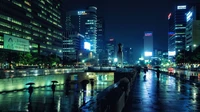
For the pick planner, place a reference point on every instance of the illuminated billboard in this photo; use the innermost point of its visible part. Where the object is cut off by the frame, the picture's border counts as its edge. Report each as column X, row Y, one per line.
column 14, row 43
column 189, row 16
column 147, row 53
column 180, row 7
column 87, row 45
column 171, row 53
column 148, row 34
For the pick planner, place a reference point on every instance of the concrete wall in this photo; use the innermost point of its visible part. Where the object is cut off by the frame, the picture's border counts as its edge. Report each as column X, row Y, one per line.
column 12, row 84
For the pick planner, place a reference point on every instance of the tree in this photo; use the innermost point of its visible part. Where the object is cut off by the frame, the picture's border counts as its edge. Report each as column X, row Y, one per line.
column 26, row 58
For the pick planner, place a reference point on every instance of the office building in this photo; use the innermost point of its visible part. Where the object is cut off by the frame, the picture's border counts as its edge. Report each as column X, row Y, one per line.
column 72, row 46
column 111, row 47
column 85, row 23
column 100, row 35
column 148, row 44
column 36, row 23
column 193, row 28
column 177, row 28
column 128, row 55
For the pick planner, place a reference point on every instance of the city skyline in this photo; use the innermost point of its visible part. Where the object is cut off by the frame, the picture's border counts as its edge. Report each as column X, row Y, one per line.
column 127, row 20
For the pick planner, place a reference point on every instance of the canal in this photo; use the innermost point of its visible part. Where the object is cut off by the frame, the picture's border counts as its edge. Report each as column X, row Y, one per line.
column 67, row 98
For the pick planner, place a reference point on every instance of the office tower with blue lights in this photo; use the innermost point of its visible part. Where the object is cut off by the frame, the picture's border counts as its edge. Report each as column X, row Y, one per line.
column 100, row 35
column 85, row 23
column 193, row 28
column 177, row 28
column 36, row 24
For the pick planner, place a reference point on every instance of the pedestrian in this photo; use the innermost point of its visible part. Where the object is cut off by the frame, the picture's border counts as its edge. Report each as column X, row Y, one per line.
column 53, row 87
column 158, row 73
column 30, row 91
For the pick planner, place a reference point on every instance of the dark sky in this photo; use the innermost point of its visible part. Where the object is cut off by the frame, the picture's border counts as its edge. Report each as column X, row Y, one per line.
column 126, row 20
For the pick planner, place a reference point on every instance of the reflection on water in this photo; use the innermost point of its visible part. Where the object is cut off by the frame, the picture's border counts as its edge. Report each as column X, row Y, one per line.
column 68, row 98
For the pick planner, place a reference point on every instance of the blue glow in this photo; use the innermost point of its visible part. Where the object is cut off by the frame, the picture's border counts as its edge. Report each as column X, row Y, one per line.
column 87, row 45
column 189, row 16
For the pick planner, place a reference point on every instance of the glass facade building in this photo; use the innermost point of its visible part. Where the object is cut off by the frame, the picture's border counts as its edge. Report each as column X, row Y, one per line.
column 192, row 28
column 177, row 27
column 85, row 23
column 100, row 35
column 38, row 21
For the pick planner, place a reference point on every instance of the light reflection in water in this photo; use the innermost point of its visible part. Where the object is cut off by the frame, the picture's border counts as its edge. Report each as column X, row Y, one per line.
column 42, row 97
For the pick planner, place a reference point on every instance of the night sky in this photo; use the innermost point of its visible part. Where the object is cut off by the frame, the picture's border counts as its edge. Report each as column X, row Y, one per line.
column 126, row 20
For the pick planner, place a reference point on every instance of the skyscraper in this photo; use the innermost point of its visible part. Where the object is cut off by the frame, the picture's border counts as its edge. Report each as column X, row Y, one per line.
column 100, row 35
column 177, row 26
column 128, row 55
column 111, row 47
column 192, row 28
column 148, row 44
column 85, row 23
column 37, row 21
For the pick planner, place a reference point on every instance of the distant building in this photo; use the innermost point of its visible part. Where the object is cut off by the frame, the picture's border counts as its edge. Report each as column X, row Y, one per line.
column 128, row 55
column 193, row 28
column 100, row 35
column 148, row 44
column 111, row 47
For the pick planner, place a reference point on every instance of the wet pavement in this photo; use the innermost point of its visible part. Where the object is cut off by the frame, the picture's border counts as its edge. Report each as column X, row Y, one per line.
column 42, row 99
column 164, row 95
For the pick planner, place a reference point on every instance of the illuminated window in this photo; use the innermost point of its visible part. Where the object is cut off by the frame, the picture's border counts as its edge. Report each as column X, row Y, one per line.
column 49, row 43
column 16, row 3
column 27, row 3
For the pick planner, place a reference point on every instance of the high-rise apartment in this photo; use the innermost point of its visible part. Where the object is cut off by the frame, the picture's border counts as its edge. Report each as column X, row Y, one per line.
column 38, row 22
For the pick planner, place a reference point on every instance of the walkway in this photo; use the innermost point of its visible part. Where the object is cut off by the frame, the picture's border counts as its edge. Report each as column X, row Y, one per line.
column 165, row 95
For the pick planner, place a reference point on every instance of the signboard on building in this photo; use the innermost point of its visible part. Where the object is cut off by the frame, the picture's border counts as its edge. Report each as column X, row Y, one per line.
column 14, row 43
column 180, row 7
column 148, row 34
column 82, row 13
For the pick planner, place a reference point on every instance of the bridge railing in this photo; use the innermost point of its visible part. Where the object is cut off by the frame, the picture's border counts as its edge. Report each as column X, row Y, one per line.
column 4, row 74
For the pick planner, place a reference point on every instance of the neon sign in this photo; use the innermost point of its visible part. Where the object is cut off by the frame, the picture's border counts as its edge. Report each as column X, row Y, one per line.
column 169, row 16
